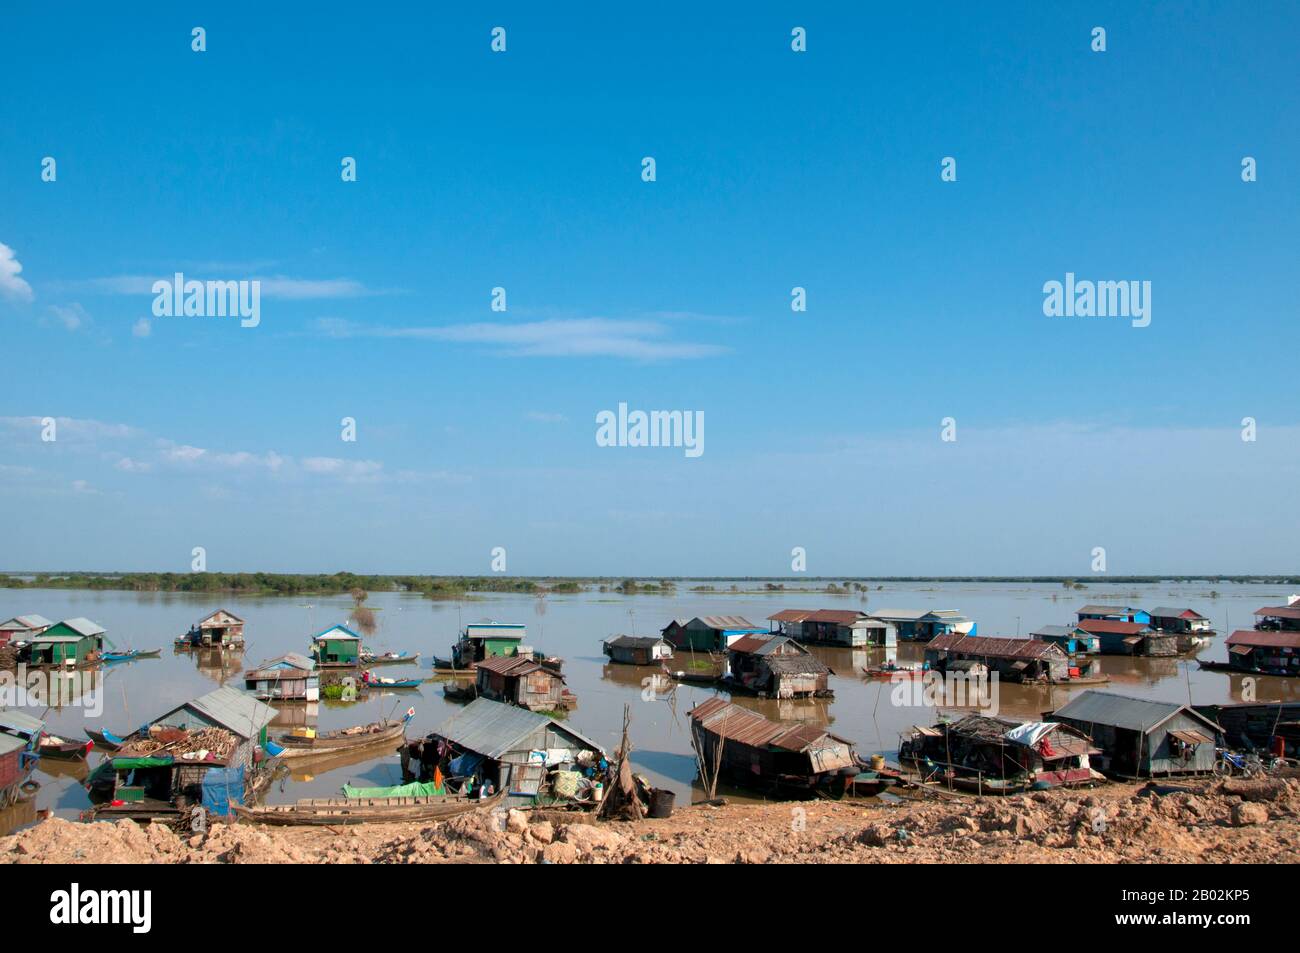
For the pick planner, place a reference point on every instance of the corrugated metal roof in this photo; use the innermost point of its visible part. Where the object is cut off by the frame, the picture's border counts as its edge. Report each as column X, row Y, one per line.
column 295, row 659
column 492, row 728
column 27, row 622
column 336, row 633
column 83, row 626
column 512, row 665
column 899, row 615
column 9, row 744
column 797, row 665
column 1111, row 627
column 212, row 615
column 1272, row 640
column 1280, row 612
column 1165, row 612
column 790, row 615
column 838, row 616
column 16, row 720
column 634, row 641
column 993, row 647
column 759, row 644
column 1123, row 711
column 242, row 714
column 1054, row 631
column 1107, row 610
column 725, row 622
column 745, row 727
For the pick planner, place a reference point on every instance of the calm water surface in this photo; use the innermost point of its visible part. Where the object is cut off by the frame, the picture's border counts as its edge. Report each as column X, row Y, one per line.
column 573, row 626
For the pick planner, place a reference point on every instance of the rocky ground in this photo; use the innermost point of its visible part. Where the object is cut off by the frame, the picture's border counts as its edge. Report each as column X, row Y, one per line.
column 1213, row 821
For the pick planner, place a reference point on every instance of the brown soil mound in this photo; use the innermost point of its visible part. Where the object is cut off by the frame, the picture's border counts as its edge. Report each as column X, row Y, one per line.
column 1227, row 821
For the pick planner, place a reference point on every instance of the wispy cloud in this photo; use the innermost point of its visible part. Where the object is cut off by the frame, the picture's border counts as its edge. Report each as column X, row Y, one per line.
column 634, row 339
column 11, row 286
column 273, row 286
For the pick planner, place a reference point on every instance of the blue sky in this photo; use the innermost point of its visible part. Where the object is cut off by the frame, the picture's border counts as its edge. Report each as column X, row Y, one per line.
column 775, row 169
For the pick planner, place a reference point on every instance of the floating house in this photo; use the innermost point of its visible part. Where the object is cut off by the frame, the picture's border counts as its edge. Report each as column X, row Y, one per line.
column 1279, row 618
column 1264, row 651
column 520, row 680
column 22, row 628
column 637, row 650
column 1019, row 660
column 1180, row 620
column 1264, row 726
column 847, row 627
column 1142, row 738
column 289, row 678
column 70, row 642
column 207, row 752
column 712, row 633
column 220, row 629
column 336, row 647
column 915, row 625
column 1114, row 614
column 1071, row 638
column 999, row 755
column 1129, row 638
column 15, row 767
column 531, row 757
column 672, row 632
column 481, row 640
column 778, row 667
column 757, row 753
column 24, row 727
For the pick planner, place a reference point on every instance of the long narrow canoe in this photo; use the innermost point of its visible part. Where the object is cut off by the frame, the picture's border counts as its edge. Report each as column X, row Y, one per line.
column 104, row 739
column 131, row 655
column 345, row 739
column 336, row 811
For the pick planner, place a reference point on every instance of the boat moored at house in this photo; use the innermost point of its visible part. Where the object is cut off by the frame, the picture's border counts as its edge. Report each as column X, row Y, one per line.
column 990, row 755
column 291, row 677
column 776, row 666
column 219, row 629
column 205, row 752
column 336, row 647
column 1262, row 651
column 753, row 752
column 844, row 627
column 482, row 640
column 22, row 628
column 1116, row 637
column 72, row 643
column 1190, row 629
column 523, row 681
column 1015, row 660
column 922, row 625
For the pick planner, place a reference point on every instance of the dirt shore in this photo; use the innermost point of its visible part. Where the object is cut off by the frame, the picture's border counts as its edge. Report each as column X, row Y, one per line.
column 1212, row 822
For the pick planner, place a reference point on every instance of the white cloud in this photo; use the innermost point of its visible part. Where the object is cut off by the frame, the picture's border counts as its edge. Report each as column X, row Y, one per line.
column 72, row 316
column 573, row 337
column 11, row 286
column 351, row 471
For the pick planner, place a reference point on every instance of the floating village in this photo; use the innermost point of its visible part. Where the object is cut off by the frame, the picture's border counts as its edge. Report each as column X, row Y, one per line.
column 509, row 741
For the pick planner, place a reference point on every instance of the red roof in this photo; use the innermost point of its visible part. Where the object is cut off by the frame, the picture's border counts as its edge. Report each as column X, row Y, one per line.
column 838, row 616
column 1280, row 612
column 1272, row 640
column 1109, row 627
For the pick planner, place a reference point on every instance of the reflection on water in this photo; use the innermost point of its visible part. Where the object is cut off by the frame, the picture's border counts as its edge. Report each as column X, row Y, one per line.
column 573, row 625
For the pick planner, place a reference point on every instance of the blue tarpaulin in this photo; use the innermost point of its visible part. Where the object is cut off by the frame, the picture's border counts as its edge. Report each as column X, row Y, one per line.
column 465, row 765
column 220, row 787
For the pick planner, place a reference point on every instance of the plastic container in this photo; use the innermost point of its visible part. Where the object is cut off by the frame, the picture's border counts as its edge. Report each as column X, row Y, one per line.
column 661, row 803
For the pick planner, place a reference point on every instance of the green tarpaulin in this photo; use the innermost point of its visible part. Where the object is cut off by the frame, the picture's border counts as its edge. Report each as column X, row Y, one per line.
column 126, row 764
column 414, row 789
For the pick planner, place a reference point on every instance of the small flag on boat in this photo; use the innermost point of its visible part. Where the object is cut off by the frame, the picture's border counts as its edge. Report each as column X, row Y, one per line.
column 410, row 713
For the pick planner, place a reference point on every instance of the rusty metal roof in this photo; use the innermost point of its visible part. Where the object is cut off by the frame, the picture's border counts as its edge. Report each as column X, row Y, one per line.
column 1264, row 639
column 993, row 647
column 761, row 644
column 727, row 622
column 790, row 615
column 511, row 665
column 1280, row 612
column 730, row 721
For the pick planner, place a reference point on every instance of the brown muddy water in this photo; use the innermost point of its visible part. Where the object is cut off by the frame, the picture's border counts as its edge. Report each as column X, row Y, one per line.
column 572, row 626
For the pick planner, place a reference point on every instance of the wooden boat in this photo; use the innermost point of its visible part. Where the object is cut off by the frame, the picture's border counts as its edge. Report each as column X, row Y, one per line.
column 336, row 811
column 390, row 658
column 884, row 671
column 443, row 666
column 694, row 677
column 371, row 680
column 131, row 655
column 104, row 740
column 57, row 749
column 458, row 692
column 341, row 740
